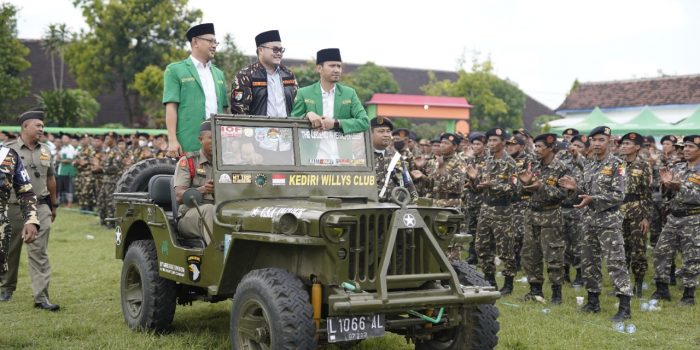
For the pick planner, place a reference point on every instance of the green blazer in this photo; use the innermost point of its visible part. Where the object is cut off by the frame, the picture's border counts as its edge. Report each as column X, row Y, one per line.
column 347, row 106
column 181, row 85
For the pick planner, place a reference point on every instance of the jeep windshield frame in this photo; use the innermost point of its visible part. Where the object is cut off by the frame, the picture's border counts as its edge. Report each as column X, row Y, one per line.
column 291, row 138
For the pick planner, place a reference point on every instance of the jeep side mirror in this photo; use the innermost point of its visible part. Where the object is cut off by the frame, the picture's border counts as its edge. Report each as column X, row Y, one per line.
column 192, row 197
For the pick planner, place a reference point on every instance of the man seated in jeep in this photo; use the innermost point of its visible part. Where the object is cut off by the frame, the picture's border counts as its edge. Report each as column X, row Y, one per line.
column 195, row 171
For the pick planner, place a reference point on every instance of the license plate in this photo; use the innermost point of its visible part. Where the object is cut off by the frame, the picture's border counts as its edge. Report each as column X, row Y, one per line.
column 354, row 327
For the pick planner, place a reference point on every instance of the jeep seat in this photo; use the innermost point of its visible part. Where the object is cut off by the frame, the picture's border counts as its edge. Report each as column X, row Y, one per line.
column 159, row 191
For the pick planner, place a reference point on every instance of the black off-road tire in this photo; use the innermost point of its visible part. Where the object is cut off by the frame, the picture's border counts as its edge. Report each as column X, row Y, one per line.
column 274, row 303
column 148, row 300
column 480, row 331
column 135, row 179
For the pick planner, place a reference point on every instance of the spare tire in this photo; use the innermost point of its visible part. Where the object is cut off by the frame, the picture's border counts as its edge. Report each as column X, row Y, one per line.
column 135, row 179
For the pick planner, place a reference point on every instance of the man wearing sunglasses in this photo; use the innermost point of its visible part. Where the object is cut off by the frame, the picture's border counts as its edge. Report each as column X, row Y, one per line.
column 265, row 87
column 193, row 90
column 37, row 161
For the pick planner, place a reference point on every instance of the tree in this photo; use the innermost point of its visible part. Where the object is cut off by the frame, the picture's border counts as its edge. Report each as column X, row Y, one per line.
column 69, row 107
column 497, row 102
column 229, row 58
column 149, row 84
column 369, row 79
column 306, row 74
column 54, row 44
column 124, row 38
column 12, row 63
column 541, row 123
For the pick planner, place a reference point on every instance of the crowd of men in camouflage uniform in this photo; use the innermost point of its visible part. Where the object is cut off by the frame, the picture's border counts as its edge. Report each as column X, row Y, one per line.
column 100, row 161
column 569, row 201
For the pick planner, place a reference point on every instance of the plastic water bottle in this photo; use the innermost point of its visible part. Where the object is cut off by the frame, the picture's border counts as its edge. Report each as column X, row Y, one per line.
column 619, row 327
column 645, row 306
column 631, row 328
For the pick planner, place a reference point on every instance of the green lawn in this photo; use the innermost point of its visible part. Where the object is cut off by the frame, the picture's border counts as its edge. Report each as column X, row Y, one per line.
column 86, row 281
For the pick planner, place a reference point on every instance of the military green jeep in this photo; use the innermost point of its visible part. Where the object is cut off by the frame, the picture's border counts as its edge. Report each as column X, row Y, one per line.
column 301, row 244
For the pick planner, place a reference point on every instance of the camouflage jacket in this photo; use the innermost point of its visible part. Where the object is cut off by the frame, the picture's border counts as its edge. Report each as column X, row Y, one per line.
column 638, row 184
column 15, row 177
column 249, row 90
column 447, row 181
column 549, row 194
column 604, row 181
column 501, row 173
column 85, row 155
column 523, row 161
column 399, row 176
column 471, row 195
column 688, row 196
column 112, row 162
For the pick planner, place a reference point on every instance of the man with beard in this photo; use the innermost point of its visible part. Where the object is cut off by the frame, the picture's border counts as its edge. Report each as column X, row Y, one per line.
column 265, row 87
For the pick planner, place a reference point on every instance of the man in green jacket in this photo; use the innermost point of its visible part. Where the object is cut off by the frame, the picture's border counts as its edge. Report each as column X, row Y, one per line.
column 193, row 89
column 327, row 104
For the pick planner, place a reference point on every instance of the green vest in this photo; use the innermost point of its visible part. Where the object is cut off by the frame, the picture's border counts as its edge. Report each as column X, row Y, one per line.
column 346, row 106
column 181, row 85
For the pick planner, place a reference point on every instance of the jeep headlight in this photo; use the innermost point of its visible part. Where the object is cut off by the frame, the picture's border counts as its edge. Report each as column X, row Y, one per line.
column 336, row 226
column 446, row 224
column 286, row 224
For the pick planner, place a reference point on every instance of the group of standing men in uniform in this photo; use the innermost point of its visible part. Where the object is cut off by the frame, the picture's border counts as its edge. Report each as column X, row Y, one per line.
column 571, row 203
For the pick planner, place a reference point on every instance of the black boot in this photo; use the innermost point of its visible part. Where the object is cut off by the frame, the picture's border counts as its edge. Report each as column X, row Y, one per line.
column 661, row 292
column 535, row 290
column 578, row 281
column 593, row 304
column 672, row 282
column 556, row 294
column 688, row 298
column 567, row 277
column 507, row 286
column 491, row 279
column 638, row 284
column 472, row 259
column 623, row 312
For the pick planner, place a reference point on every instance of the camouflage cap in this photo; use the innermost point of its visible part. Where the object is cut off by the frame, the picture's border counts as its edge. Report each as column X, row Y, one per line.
column 522, row 131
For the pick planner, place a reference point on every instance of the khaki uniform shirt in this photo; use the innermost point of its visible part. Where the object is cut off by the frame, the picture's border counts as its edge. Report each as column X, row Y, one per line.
column 203, row 171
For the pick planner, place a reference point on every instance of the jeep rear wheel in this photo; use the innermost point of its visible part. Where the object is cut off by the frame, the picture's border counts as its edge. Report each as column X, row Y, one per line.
column 135, row 179
column 480, row 329
column 271, row 310
column 148, row 301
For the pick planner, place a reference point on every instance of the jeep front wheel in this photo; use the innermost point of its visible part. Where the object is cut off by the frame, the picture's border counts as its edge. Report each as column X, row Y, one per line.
column 271, row 310
column 480, row 329
column 148, row 301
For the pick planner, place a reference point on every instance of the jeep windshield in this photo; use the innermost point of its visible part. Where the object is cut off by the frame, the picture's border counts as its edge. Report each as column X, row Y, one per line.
column 289, row 146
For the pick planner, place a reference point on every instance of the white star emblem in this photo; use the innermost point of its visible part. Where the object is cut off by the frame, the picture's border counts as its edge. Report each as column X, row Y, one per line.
column 409, row 220
column 118, row 235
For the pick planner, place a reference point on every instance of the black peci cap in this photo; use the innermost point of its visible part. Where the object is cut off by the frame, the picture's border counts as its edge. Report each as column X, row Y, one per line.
column 200, row 29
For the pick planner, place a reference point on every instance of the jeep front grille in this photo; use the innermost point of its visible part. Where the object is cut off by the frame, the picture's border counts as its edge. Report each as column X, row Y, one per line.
column 366, row 243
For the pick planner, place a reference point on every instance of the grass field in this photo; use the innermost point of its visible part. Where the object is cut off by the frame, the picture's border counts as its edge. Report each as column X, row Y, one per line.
column 86, row 285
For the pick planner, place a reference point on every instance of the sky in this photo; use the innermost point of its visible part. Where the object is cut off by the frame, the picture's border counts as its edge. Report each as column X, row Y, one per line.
column 540, row 45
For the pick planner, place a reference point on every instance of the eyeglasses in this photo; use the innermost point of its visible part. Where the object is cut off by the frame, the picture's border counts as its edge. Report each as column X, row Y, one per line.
column 275, row 49
column 212, row 42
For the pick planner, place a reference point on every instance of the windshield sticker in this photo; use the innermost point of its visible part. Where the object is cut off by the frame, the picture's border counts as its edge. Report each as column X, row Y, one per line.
column 279, row 179
column 241, row 178
column 331, row 180
column 269, row 212
column 231, row 131
column 224, row 179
